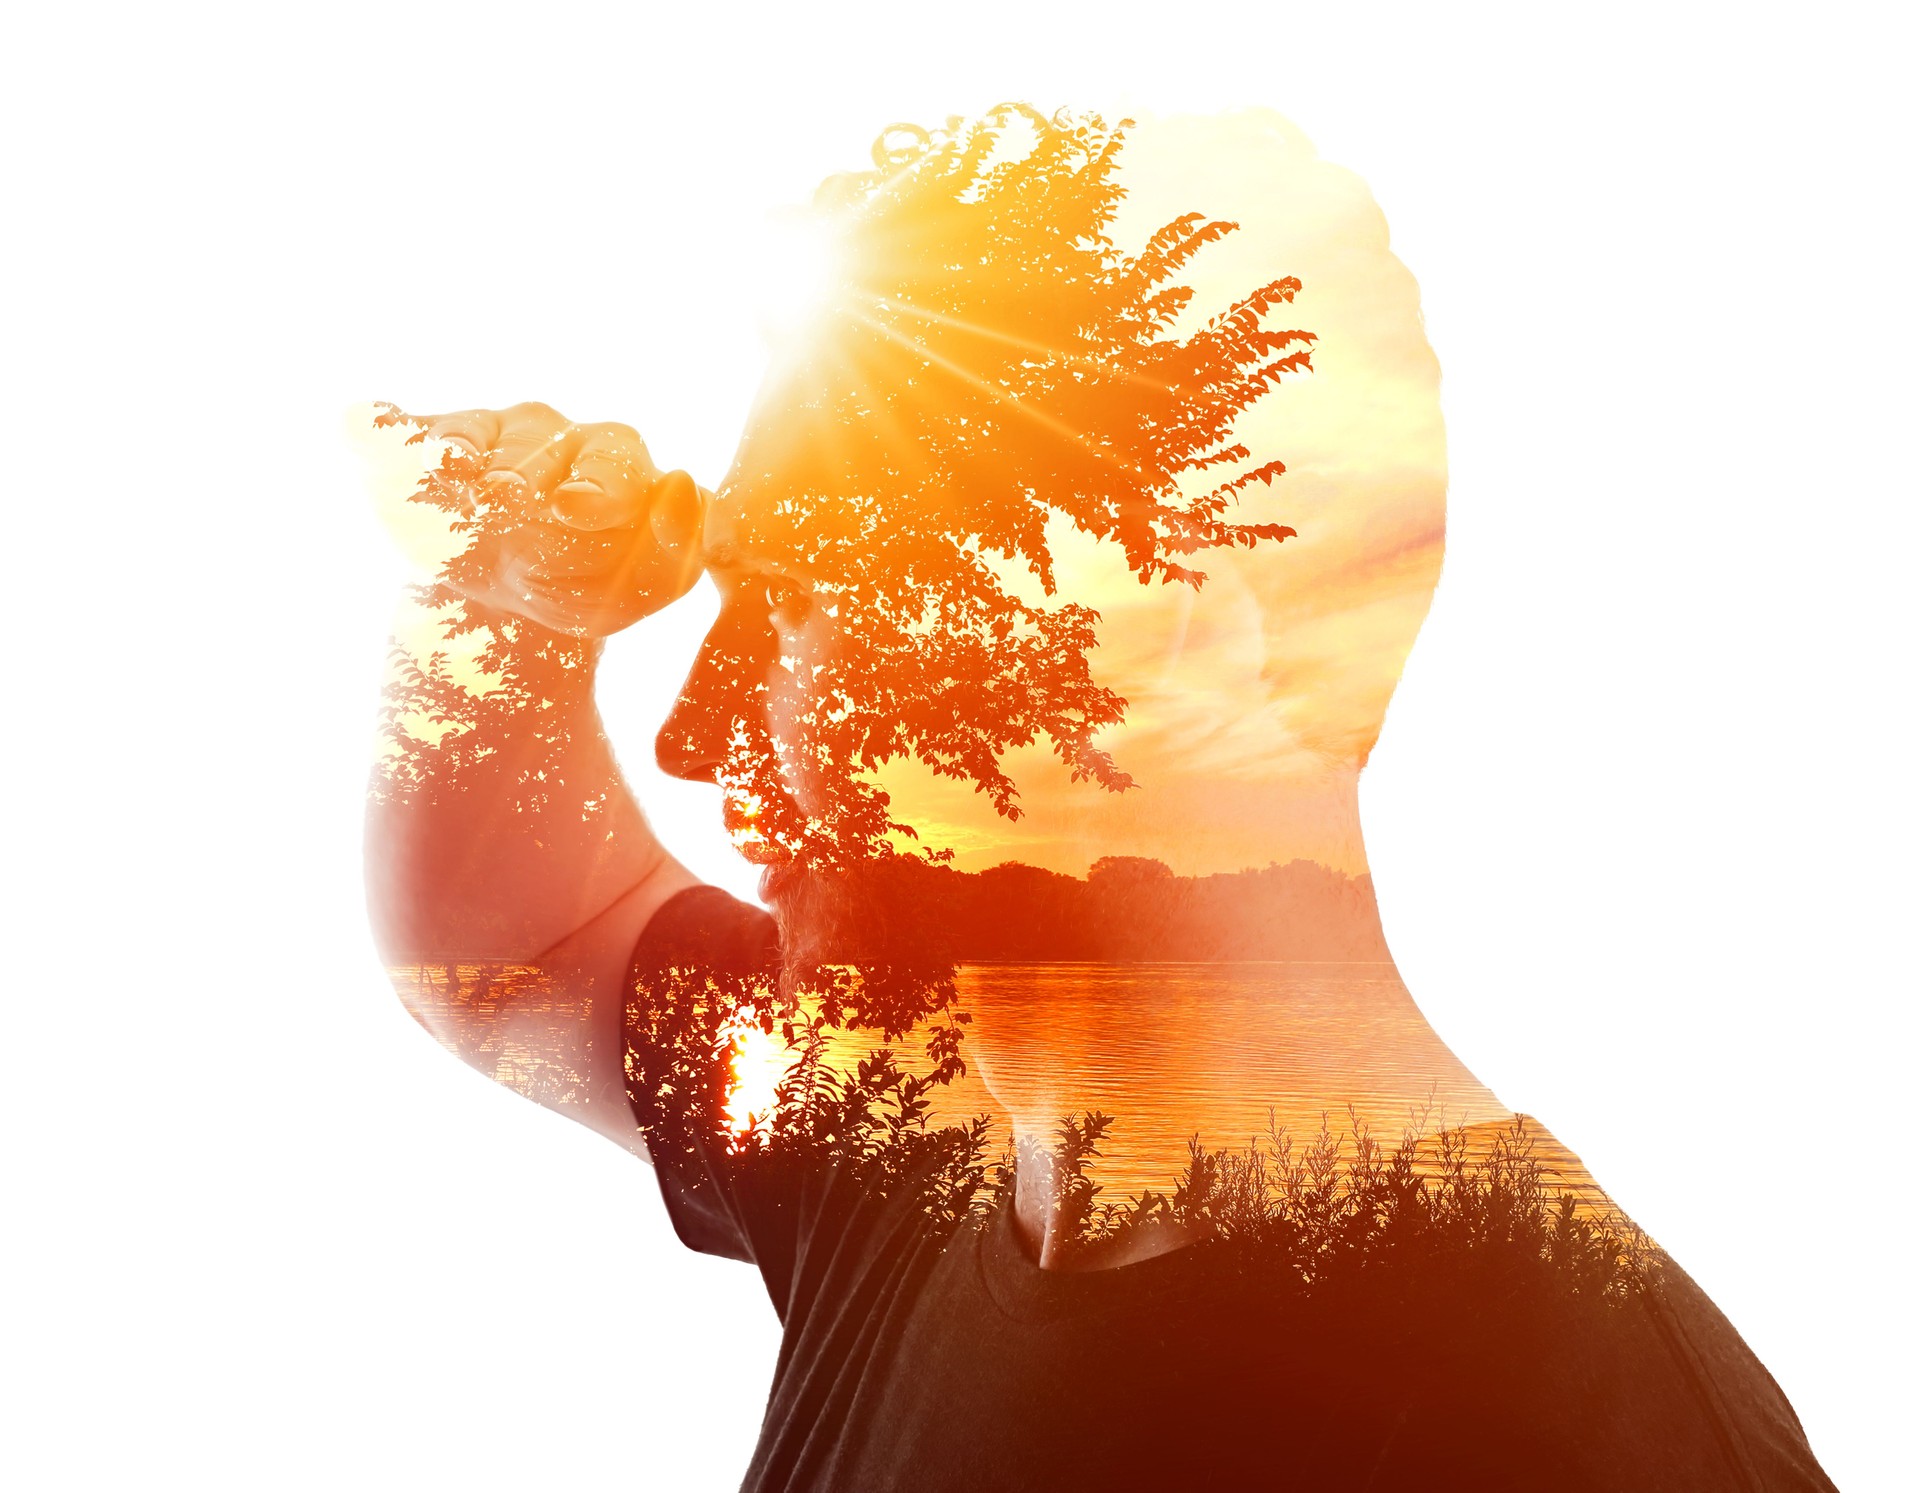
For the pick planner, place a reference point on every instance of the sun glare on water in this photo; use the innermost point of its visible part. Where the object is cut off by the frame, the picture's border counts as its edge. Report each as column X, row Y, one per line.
column 756, row 1063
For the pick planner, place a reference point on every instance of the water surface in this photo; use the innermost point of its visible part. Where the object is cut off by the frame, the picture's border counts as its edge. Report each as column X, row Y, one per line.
column 1171, row 1051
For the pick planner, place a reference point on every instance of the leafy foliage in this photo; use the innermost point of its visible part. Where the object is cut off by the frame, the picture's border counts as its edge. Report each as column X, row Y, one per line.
column 989, row 362
column 445, row 733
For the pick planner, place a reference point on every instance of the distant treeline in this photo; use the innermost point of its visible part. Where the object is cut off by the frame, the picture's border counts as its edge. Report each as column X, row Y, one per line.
column 1126, row 907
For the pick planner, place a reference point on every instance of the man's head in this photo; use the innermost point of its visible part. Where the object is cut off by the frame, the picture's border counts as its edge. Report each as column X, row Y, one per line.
column 995, row 386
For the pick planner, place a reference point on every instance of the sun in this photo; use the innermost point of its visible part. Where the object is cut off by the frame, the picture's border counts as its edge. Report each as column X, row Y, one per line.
column 799, row 276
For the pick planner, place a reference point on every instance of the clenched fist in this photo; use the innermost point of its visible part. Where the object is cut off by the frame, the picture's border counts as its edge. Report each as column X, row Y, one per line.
column 570, row 525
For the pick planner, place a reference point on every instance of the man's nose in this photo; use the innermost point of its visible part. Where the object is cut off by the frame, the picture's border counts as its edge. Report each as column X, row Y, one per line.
column 726, row 687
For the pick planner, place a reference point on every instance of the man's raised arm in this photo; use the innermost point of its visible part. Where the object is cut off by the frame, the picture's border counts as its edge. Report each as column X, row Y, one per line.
column 505, row 853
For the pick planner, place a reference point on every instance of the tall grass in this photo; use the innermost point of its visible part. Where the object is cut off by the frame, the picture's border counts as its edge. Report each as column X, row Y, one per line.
column 1336, row 1202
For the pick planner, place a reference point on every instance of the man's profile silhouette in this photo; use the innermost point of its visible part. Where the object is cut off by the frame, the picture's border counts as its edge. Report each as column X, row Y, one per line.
column 1008, row 441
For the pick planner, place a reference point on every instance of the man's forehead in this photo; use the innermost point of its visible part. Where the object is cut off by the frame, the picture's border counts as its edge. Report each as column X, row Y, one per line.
column 732, row 541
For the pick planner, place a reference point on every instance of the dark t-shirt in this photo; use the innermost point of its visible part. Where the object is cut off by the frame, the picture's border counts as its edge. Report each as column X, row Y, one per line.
column 929, row 1355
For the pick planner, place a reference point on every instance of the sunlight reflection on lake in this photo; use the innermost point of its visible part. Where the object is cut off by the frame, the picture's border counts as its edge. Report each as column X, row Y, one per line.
column 1170, row 1051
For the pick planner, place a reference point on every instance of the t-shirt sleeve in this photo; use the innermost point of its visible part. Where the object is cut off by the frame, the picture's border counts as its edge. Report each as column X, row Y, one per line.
column 699, row 963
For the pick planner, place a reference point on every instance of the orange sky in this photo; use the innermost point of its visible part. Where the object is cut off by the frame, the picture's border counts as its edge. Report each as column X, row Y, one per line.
column 1252, row 703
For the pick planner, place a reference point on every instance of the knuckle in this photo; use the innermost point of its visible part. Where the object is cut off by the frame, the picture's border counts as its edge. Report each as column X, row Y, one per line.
column 533, row 412
column 465, row 427
column 611, row 443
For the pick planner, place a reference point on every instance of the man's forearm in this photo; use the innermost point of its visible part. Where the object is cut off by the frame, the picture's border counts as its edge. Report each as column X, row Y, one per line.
column 512, row 830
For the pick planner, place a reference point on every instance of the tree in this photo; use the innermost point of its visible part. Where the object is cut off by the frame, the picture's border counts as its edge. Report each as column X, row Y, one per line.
column 988, row 359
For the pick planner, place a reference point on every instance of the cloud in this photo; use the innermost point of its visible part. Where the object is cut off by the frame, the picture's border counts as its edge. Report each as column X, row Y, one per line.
column 1253, row 703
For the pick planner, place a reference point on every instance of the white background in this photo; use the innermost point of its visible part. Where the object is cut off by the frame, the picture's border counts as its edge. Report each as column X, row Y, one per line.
column 1641, row 819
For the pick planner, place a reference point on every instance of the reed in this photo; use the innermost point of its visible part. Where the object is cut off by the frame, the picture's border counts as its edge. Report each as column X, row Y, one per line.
column 1338, row 1201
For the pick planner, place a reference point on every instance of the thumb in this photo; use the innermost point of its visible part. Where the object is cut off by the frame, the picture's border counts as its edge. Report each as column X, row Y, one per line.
column 676, row 511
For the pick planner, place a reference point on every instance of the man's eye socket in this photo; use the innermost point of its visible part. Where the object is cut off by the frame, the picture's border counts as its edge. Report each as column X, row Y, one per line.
column 785, row 597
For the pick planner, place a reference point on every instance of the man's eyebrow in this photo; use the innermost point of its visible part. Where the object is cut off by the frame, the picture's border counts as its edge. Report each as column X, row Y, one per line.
column 731, row 561
column 725, row 555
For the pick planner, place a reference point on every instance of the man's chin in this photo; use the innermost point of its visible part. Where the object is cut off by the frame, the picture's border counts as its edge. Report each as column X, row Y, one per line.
column 823, row 914
column 777, row 875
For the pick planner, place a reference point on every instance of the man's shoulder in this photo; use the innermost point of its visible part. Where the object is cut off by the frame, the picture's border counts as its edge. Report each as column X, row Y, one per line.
column 704, row 926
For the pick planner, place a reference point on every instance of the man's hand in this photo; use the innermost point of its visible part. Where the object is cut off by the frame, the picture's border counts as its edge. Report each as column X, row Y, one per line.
column 572, row 526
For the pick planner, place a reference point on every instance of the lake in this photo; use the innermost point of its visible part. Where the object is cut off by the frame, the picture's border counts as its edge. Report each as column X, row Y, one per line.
column 1177, row 1050
column 1168, row 1050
